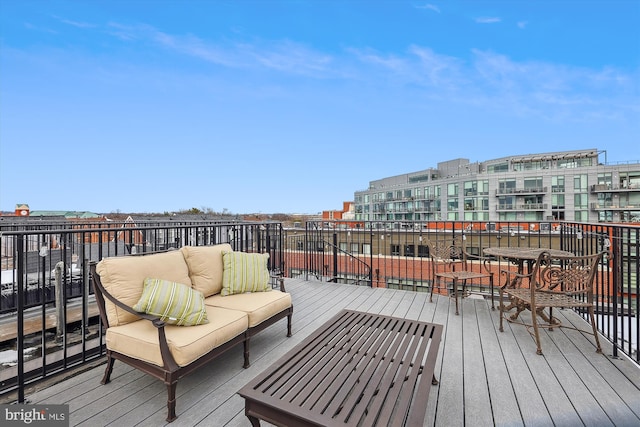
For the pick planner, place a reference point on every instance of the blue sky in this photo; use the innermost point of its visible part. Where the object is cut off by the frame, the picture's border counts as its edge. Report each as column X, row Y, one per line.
column 291, row 106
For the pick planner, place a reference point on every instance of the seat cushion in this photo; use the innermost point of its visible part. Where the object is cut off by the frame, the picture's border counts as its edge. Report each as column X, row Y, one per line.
column 205, row 267
column 259, row 306
column 140, row 339
column 123, row 277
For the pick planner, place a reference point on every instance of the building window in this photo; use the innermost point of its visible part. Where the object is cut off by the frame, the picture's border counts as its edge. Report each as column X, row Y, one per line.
column 483, row 203
column 557, row 201
column 533, row 184
column 409, row 250
column 580, row 201
column 581, row 216
column 499, row 167
column 507, row 186
column 605, row 179
column 366, row 248
column 395, row 249
column 605, row 216
column 557, row 184
column 483, row 187
column 470, row 188
column 580, row 182
column 423, row 251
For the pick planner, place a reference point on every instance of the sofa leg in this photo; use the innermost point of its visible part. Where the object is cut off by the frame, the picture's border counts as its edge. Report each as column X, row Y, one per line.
column 289, row 316
column 171, row 401
column 246, row 354
column 107, row 371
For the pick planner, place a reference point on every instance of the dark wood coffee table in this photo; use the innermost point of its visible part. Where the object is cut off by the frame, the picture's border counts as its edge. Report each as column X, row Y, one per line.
column 356, row 369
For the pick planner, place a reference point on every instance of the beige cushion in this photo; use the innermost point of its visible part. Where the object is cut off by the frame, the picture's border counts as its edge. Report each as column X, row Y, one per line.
column 205, row 267
column 244, row 272
column 140, row 339
column 174, row 303
column 123, row 277
column 259, row 306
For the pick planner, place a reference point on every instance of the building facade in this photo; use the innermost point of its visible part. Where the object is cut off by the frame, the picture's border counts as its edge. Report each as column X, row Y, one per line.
column 574, row 185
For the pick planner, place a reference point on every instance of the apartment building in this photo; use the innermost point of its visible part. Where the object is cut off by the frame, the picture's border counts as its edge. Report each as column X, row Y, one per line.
column 576, row 185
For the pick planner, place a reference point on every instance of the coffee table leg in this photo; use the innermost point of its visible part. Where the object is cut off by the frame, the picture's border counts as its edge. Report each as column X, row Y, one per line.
column 255, row 422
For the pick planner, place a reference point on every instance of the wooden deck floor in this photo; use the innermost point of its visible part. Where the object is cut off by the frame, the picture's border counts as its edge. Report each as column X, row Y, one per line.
column 486, row 377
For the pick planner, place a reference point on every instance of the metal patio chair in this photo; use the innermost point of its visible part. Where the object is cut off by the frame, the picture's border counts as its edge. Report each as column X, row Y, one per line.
column 554, row 282
column 451, row 261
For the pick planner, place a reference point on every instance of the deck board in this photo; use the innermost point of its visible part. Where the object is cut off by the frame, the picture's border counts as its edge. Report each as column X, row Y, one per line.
column 486, row 377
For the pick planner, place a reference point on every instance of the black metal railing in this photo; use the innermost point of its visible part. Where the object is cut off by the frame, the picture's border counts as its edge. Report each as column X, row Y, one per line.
column 396, row 254
column 320, row 256
column 38, row 259
column 48, row 317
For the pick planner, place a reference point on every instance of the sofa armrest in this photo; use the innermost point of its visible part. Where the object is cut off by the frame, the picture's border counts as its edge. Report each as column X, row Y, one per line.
column 276, row 275
column 101, row 293
column 281, row 282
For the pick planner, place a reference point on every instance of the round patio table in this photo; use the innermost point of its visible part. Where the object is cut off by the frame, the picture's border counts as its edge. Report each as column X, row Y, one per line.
column 518, row 255
column 521, row 254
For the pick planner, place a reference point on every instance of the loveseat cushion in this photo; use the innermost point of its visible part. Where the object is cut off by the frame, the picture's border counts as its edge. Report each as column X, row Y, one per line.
column 140, row 339
column 259, row 306
column 205, row 267
column 123, row 277
column 174, row 303
column 244, row 272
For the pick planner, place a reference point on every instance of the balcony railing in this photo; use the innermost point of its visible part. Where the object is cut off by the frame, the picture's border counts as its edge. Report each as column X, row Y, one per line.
column 615, row 206
column 38, row 259
column 608, row 188
column 521, row 191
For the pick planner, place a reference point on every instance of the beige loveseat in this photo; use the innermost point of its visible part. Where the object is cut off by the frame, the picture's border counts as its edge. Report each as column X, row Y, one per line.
column 196, row 278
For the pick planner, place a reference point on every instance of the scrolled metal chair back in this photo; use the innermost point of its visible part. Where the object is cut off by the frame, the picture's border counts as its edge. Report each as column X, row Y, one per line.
column 569, row 275
column 445, row 250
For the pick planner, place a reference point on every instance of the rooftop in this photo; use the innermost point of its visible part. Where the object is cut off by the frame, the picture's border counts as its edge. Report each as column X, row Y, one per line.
column 486, row 377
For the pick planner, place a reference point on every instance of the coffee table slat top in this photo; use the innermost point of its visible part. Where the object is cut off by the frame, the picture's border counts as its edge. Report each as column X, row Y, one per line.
column 356, row 369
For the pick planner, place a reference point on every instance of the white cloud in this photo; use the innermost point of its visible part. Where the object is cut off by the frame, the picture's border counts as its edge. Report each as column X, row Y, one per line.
column 76, row 24
column 428, row 6
column 284, row 56
column 490, row 80
column 522, row 24
column 488, row 20
column 30, row 26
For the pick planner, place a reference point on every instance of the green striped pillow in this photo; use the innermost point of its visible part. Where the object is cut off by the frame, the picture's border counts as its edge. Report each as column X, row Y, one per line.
column 244, row 272
column 174, row 303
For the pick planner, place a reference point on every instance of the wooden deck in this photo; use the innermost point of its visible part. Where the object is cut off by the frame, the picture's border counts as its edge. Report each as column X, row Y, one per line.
column 486, row 377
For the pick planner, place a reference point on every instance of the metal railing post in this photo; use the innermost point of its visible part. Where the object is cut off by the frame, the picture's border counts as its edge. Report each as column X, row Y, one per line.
column 60, row 321
column 20, row 243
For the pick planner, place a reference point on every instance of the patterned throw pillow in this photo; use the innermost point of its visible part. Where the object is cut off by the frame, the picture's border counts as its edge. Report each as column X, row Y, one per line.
column 174, row 303
column 244, row 272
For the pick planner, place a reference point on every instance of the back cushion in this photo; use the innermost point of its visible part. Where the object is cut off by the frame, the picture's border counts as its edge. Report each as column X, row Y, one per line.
column 123, row 277
column 205, row 267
